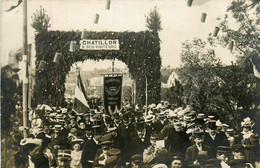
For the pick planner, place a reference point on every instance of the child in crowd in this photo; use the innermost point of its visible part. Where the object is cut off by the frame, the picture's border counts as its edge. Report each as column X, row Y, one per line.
column 76, row 154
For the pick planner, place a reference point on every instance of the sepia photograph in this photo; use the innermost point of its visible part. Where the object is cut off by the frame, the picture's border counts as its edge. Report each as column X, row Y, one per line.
column 130, row 83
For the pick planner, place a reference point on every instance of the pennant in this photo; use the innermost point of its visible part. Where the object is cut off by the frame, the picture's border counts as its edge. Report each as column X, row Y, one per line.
column 80, row 103
column 256, row 66
column 13, row 7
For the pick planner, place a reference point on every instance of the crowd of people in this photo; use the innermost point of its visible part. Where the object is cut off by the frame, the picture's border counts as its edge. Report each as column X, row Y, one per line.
column 160, row 137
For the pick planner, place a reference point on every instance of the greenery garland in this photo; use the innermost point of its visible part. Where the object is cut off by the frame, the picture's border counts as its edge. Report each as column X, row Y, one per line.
column 140, row 51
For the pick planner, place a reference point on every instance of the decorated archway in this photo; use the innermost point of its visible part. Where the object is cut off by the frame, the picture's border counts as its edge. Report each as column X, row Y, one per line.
column 140, row 51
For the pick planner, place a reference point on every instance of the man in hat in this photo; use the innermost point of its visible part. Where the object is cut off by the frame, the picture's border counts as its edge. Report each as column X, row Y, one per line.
column 223, row 153
column 63, row 159
column 161, row 122
column 177, row 162
column 197, row 154
column 136, row 161
column 89, row 148
column 149, row 154
column 126, row 131
column 101, row 154
column 212, row 139
column 177, row 141
column 141, row 139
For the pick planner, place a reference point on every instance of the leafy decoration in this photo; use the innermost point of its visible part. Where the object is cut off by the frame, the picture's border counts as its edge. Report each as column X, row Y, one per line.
column 139, row 51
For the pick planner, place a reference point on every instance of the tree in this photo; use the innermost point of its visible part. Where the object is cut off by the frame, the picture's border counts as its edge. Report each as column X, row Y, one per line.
column 199, row 75
column 153, row 20
column 40, row 20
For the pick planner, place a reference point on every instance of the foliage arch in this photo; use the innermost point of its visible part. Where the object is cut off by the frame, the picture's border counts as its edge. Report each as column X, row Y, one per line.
column 140, row 51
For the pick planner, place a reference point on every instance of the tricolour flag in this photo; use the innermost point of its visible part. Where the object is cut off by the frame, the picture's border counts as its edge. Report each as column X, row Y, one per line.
column 80, row 103
column 14, row 6
column 256, row 66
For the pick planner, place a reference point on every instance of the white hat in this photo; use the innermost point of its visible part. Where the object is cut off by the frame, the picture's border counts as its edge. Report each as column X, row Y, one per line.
column 218, row 123
column 149, row 118
column 26, row 141
column 160, row 166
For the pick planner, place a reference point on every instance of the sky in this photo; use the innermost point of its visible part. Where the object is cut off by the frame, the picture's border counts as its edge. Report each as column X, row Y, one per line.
column 179, row 23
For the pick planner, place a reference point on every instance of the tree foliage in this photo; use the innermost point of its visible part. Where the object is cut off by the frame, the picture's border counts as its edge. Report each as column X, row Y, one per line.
column 40, row 20
column 213, row 88
column 153, row 20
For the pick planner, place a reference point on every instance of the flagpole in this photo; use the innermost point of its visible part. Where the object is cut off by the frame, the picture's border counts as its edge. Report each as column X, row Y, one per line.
column 25, row 80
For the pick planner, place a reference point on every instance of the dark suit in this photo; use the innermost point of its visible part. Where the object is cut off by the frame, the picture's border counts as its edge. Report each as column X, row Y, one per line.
column 178, row 142
column 125, row 133
column 138, row 144
column 88, row 152
column 220, row 140
column 192, row 154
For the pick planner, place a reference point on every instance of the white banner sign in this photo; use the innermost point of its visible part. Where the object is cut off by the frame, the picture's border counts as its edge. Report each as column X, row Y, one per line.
column 89, row 44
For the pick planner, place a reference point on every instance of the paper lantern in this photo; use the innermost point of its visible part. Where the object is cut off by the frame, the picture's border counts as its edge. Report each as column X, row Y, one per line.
column 41, row 65
column 231, row 45
column 203, row 17
column 108, row 4
column 96, row 19
column 189, row 3
column 57, row 58
column 83, row 34
column 216, row 30
column 72, row 46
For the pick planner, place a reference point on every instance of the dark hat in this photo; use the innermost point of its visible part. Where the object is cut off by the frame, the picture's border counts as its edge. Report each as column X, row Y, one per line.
column 111, row 160
column 156, row 136
column 113, row 152
column 98, row 165
column 198, row 134
column 73, row 130
column 177, row 157
column 80, row 121
column 140, row 120
column 212, row 125
column 237, row 163
column 106, row 137
column 106, row 143
column 88, row 127
column 137, row 157
column 223, row 149
column 237, row 148
column 164, row 157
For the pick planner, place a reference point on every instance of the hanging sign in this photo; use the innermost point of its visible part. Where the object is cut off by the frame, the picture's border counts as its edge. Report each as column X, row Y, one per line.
column 90, row 44
column 112, row 92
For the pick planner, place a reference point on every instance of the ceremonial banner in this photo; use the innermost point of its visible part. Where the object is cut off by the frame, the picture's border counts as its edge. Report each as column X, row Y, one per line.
column 112, row 92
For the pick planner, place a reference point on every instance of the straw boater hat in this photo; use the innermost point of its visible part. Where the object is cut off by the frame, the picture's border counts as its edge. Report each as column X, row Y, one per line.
column 79, row 141
column 64, row 155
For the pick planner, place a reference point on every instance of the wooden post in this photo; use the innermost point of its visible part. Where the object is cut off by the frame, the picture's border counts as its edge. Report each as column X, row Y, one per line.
column 146, row 96
column 25, row 80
